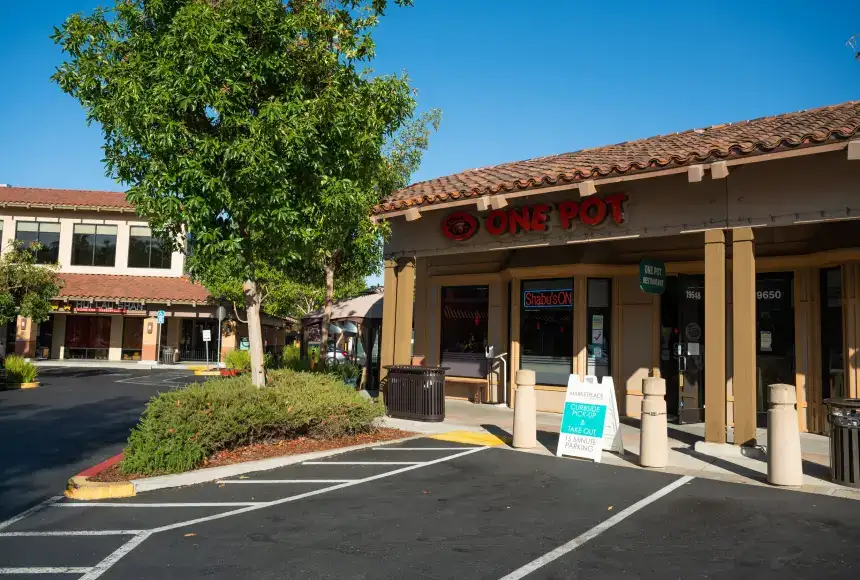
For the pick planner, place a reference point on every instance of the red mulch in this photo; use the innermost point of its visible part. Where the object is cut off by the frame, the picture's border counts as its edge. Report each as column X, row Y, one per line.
column 272, row 449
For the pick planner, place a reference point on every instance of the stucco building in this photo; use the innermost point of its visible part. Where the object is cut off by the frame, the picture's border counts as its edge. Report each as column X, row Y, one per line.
column 116, row 276
column 545, row 260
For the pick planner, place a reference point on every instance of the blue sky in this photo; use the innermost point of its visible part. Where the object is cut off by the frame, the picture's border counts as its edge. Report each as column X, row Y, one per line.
column 515, row 79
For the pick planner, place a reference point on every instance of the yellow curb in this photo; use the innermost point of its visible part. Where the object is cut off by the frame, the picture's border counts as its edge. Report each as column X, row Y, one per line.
column 32, row 385
column 197, row 368
column 471, row 438
column 18, row 386
column 207, row 373
column 82, row 488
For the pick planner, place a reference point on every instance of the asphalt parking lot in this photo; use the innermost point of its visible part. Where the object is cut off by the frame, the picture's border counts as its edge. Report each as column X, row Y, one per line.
column 431, row 509
column 77, row 418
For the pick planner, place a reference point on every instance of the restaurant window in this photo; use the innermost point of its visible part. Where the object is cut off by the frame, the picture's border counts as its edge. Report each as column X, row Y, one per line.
column 46, row 234
column 774, row 295
column 832, row 361
column 146, row 250
column 93, row 245
column 599, row 314
column 546, row 330
column 464, row 330
column 87, row 337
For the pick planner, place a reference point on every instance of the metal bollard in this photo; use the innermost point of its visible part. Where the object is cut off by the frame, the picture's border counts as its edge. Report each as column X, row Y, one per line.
column 784, row 463
column 654, row 435
column 525, row 412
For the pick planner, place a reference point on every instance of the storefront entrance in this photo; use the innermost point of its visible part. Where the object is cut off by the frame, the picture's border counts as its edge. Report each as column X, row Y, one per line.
column 191, row 345
column 682, row 349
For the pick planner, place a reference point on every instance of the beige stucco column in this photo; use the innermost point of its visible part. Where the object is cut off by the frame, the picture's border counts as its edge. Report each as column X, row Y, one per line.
column 150, row 339
column 851, row 326
column 743, row 323
column 405, row 305
column 389, row 314
column 58, row 341
column 715, row 337
column 422, row 315
column 115, row 350
column 497, row 335
column 25, row 337
column 174, row 325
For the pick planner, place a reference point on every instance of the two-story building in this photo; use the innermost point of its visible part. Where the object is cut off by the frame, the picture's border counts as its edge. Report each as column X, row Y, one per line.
column 723, row 259
column 117, row 276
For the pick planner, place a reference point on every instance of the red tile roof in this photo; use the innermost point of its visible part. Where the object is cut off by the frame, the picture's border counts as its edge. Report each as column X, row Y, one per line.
column 720, row 142
column 116, row 287
column 60, row 198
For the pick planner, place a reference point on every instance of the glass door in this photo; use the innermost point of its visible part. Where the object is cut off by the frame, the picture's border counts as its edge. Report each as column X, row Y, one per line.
column 690, row 349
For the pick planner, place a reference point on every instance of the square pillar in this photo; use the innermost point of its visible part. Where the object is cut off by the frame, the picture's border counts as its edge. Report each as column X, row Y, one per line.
column 497, row 334
column 715, row 338
column 228, row 338
column 405, row 305
column 25, row 337
column 389, row 314
column 851, row 326
column 173, row 327
column 150, row 339
column 58, row 341
column 115, row 350
column 744, row 347
column 421, row 311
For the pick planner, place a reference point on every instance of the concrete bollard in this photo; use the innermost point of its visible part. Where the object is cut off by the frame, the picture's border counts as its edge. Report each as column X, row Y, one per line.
column 525, row 412
column 654, row 435
column 784, row 463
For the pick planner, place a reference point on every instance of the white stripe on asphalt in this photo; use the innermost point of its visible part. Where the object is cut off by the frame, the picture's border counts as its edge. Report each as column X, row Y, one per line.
column 312, row 493
column 423, row 448
column 115, row 556
column 596, row 530
column 158, row 505
column 56, row 570
column 29, row 512
column 70, row 533
column 286, row 481
column 364, row 462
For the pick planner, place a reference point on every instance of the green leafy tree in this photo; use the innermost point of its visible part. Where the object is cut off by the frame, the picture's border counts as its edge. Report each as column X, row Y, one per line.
column 347, row 244
column 238, row 121
column 26, row 288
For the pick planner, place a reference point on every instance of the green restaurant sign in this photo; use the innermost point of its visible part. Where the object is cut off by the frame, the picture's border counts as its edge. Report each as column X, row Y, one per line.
column 652, row 276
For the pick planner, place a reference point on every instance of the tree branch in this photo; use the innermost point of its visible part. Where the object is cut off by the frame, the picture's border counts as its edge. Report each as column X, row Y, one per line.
column 236, row 312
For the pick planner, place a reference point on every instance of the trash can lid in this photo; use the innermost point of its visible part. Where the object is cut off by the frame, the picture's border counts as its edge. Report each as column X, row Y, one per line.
column 846, row 403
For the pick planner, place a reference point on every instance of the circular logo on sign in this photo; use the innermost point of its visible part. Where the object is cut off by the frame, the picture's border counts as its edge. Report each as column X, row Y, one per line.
column 459, row 226
column 693, row 332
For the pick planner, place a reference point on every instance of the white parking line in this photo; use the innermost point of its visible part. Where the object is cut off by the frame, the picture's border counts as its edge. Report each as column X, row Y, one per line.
column 31, row 511
column 364, row 462
column 157, row 505
column 596, row 530
column 115, row 556
column 285, row 480
column 61, row 570
column 423, row 448
column 70, row 533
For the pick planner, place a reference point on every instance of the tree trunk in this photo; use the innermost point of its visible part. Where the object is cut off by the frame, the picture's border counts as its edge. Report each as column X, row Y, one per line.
column 329, row 300
column 255, row 332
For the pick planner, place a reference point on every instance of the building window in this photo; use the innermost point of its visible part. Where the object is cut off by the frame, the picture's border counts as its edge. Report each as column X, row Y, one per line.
column 599, row 301
column 832, row 351
column 46, row 234
column 546, row 330
column 464, row 330
column 94, row 245
column 147, row 251
column 132, row 338
column 774, row 294
column 87, row 337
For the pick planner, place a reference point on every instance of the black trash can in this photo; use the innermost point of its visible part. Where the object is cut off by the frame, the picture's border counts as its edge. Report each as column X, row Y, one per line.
column 416, row 392
column 167, row 355
column 844, row 418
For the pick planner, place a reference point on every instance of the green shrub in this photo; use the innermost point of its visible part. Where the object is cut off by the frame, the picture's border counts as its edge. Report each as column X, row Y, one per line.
column 19, row 370
column 238, row 359
column 181, row 428
column 292, row 355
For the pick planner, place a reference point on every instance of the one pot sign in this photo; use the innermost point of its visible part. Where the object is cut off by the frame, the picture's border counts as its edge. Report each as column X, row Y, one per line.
column 592, row 211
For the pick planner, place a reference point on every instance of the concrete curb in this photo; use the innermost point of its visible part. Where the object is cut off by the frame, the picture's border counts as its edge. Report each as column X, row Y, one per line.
column 728, row 451
column 81, row 488
column 208, row 474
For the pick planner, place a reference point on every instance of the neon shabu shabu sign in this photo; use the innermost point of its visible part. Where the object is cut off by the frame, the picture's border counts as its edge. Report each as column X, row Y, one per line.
column 592, row 211
column 548, row 298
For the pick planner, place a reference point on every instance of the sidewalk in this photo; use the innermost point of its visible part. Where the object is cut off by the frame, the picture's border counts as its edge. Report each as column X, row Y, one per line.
column 683, row 458
column 121, row 365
